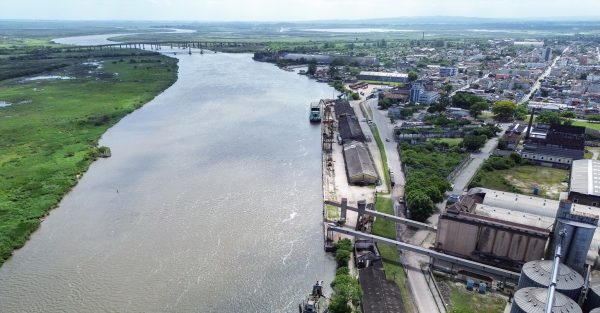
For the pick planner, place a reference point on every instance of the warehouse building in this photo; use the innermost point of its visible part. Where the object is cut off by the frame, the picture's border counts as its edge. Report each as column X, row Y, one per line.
column 584, row 185
column 359, row 164
column 578, row 219
column 561, row 145
column 383, row 77
column 485, row 222
column 464, row 232
column 350, row 129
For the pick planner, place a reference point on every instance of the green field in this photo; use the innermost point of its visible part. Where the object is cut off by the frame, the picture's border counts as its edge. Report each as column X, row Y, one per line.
column 333, row 212
column 595, row 126
column 386, row 169
column 465, row 301
column 522, row 179
column 452, row 142
column 48, row 136
column 383, row 227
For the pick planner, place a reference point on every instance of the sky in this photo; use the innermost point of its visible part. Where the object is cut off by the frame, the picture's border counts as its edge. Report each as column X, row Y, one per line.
column 289, row 10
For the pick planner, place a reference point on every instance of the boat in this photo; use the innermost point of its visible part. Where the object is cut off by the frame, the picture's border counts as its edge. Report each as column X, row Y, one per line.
column 315, row 112
column 316, row 302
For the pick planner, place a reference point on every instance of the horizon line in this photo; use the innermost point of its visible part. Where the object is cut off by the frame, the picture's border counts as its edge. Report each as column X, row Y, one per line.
column 532, row 18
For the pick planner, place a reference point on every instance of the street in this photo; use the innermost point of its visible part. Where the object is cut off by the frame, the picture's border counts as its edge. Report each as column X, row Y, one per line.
column 463, row 178
column 538, row 83
column 423, row 298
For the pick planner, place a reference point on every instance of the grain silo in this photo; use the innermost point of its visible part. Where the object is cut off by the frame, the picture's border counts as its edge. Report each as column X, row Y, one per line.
column 539, row 273
column 533, row 300
column 592, row 300
column 579, row 229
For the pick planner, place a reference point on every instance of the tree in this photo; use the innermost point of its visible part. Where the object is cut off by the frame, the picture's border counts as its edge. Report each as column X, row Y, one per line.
column 568, row 114
column 522, row 111
column 385, row 103
column 478, row 107
column 551, row 118
column 312, row 67
column 412, row 76
column 465, row 100
column 447, row 88
column 444, row 100
column 474, row 142
column 436, row 107
column 420, row 205
column 333, row 72
column 504, row 110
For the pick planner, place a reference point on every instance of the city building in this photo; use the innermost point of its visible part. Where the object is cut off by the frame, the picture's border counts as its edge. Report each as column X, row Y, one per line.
column 419, row 94
column 548, row 54
column 448, row 71
column 529, row 43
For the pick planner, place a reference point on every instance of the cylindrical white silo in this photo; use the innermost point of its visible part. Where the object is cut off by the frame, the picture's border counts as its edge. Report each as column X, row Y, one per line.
column 533, row 300
column 538, row 274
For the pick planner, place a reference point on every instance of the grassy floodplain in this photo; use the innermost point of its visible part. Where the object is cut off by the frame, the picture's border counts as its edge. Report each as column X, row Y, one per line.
column 49, row 133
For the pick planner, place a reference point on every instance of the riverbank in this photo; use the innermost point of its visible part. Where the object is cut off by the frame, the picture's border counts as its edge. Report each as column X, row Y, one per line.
column 49, row 135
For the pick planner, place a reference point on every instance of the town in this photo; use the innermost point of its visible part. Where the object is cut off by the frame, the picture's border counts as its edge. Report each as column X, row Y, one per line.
column 459, row 168
column 433, row 164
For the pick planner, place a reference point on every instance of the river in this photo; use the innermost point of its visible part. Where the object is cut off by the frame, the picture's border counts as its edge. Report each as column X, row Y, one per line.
column 211, row 202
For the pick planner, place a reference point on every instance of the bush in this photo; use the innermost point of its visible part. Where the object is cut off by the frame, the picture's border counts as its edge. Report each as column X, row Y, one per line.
column 339, row 304
column 474, row 142
column 342, row 257
column 342, row 271
column 344, row 244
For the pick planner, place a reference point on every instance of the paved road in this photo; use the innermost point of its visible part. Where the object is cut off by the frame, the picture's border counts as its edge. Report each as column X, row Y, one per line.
column 421, row 294
column 386, row 130
column 462, row 180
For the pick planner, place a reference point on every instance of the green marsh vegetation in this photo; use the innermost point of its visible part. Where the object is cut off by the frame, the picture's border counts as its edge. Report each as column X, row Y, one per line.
column 49, row 133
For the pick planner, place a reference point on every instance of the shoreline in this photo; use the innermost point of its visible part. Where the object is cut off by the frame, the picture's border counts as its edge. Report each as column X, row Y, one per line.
column 80, row 168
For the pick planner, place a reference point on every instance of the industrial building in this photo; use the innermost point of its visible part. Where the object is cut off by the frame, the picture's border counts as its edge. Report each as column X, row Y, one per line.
column 464, row 232
column 359, row 164
column 584, row 185
column 526, row 219
column 558, row 147
column 383, row 76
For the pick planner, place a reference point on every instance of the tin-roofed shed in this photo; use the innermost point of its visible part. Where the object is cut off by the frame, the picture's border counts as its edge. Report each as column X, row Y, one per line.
column 359, row 164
